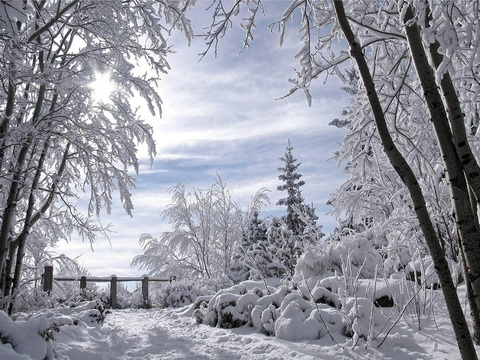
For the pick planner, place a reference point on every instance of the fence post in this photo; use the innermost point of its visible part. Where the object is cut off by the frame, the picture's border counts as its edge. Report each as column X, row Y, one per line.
column 145, row 288
column 113, row 292
column 48, row 278
column 83, row 282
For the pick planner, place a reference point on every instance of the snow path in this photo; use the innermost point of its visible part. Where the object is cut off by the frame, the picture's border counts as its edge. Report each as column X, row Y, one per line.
column 169, row 334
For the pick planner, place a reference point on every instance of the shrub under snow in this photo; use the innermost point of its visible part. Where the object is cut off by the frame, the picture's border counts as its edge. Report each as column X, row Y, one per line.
column 326, row 259
column 33, row 334
column 185, row 291
column 296, row 314
column 32, row 338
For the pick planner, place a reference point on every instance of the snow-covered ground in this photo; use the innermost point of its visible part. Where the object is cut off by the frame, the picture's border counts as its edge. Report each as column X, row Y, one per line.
column 174, row 334
column 169, row 334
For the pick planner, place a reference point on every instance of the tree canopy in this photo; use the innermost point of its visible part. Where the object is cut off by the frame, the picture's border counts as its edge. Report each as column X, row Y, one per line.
column 57, row 140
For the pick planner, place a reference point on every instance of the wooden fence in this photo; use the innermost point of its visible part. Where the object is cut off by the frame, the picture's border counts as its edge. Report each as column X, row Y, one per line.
column 48, row 279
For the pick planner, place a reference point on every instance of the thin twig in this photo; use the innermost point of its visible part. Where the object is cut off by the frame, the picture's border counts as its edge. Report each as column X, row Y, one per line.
column 318, row 311
column 370, row 328
column 403, row 310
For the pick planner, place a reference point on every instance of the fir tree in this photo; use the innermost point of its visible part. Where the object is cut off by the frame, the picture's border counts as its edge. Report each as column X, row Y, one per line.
column 279, row 240
column 239, row 271
column 291, row 183
column 300, row 222
column 255, row 249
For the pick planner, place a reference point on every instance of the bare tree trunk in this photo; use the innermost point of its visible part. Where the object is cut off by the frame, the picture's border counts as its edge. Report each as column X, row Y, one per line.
column 456, row 118
column 474, row 313
column 6, row 120
column 11, row 205
column 465, row 218
column 474, row 310
column 21, row 239
column 31, row 219
column 405, row 172
column 6, row 279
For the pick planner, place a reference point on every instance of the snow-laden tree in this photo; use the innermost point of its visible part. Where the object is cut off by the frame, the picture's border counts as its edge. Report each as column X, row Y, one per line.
column 414, row 58
column 255, row 232
column 255, row 248
column 259, row 248
column 292, row 185
column 271, row 247
column 207, row 229
column 60, row 138
column 370, row 180
column 299, row 225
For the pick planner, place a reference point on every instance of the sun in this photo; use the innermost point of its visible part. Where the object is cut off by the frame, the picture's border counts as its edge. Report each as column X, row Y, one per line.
column 102, row 87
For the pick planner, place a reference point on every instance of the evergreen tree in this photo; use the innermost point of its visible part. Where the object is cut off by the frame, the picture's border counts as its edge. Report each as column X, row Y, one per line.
column 282, row 246
column 291, row 183
column 255, row 249
column 300, row 219
column 239, row 271
column 300, row 227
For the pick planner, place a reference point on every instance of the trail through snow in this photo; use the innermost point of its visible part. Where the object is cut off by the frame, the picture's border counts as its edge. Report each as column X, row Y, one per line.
column 170, row 334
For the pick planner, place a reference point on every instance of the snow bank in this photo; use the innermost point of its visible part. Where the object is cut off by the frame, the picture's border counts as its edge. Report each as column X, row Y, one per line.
column 31, row 336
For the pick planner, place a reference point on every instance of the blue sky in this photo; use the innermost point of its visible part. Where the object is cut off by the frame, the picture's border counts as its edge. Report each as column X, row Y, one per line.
column 220, row 116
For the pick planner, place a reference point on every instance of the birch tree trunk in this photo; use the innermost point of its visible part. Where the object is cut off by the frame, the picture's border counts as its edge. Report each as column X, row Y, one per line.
column 465, row 218
column 11, row 204
column 456, row 117
column 405, row 172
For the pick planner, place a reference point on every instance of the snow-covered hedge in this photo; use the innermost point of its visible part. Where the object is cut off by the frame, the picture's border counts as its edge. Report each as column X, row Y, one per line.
column 33, row 334
column 370, row 255
column 32, row 338
column 185, row 291
column 359, row 253
column 301, row 313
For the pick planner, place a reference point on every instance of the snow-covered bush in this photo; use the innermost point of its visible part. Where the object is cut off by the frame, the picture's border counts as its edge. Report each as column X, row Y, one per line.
column 69, row 313
column 265, row 312
column 360, row 253
column 32, row 338
column 361, row 316
column 402, row 246
column 295, row 322
column 423, row 271
column 33, row 299
column 232, row 308
column 185, row 291
column 33, row 334
column 321, row 295
column 297, row 314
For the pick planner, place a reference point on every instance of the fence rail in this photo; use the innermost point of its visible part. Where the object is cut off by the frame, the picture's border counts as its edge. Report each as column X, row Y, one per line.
column 48, row 279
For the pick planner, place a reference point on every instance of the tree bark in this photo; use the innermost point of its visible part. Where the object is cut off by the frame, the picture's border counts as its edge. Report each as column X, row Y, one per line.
column 21, row 240
column 405, row 172
column 6, row 120
column 11, row 204
column 456, row 118
column 465, row 218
